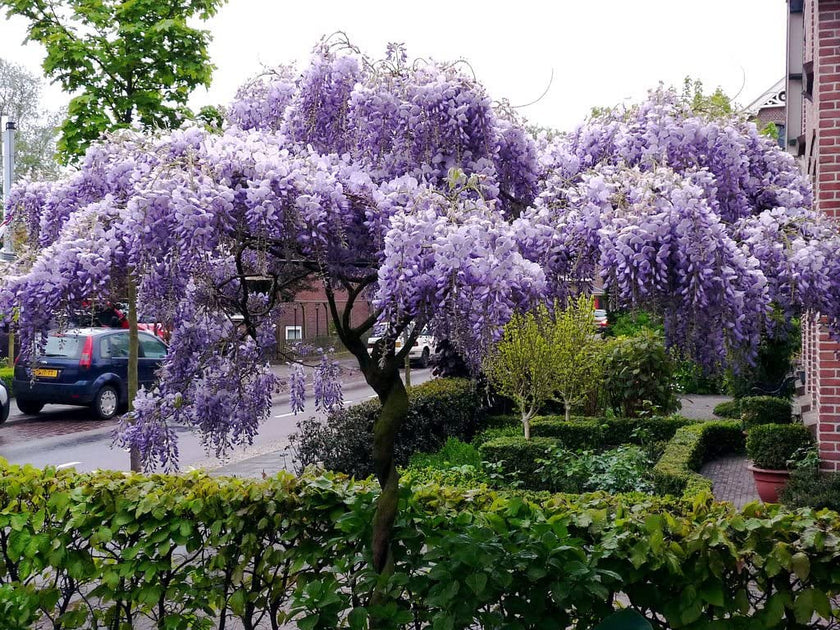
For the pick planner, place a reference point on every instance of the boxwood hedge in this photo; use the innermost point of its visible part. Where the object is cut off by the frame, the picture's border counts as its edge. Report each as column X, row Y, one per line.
column 676, row 471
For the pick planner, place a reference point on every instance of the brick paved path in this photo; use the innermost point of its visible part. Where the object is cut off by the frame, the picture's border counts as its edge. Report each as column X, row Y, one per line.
column 731, row 481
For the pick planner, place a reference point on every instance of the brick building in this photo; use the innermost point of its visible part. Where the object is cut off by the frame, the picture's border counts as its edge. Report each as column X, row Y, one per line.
column 769, row 108
column 813, row 135
column 308, row 317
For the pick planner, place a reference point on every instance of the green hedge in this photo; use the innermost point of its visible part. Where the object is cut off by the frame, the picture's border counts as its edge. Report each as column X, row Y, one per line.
column 578, row 433
column 675, row 472
column 6, row 375
column 728, row 409
column 517, row 457
column 584, row 433
column 437, row 410
column 758, row 410
column 178, row 552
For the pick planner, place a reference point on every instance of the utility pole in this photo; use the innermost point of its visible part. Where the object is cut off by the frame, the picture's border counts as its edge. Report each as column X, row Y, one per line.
column 8, row 177
column 8, row 253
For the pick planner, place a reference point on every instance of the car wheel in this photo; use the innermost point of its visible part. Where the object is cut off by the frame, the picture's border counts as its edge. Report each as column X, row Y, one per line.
column 29, row 407
column 106, row 403
column 424, row 358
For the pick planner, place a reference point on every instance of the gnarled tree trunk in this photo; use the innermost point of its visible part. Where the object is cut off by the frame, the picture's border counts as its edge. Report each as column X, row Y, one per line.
column 394, row 398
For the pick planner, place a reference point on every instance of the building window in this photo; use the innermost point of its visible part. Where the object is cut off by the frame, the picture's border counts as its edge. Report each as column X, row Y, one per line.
column 294, row 333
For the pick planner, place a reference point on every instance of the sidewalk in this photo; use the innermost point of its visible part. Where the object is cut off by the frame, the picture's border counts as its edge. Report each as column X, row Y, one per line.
column 269, row 458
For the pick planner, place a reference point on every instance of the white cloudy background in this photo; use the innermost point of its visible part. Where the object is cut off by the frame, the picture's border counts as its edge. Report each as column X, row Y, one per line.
column 601, row 52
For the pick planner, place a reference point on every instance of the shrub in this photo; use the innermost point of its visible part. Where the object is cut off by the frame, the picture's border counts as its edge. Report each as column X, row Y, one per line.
column 6, row 375
column 625, row 469
column 728, row 409
column 466, row 477
column 639, row 375
column 437, row 410
column 810, row 488
column 771, row 446
column 644, row 429
column 491, row 434
column 628, row 324
column 769, row 374
column 757, row 410
column 456, row 464
column 453, row 453
column 692, row 445
column 96, row 550
column 502, row 421
column 691, row 379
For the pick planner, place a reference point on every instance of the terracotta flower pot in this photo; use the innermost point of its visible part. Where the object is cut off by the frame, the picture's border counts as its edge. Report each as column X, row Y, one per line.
column 768, row 482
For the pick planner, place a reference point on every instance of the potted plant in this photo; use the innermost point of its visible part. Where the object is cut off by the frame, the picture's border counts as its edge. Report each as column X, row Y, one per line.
column 771, row 447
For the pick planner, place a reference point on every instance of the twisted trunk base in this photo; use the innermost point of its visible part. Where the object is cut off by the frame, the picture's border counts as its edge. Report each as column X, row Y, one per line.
column 394, row 398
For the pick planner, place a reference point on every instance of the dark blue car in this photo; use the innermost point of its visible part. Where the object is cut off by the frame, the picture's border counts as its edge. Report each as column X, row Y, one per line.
column 88, row 367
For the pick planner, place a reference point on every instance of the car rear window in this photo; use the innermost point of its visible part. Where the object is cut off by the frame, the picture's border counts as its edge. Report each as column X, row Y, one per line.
column 65, row 347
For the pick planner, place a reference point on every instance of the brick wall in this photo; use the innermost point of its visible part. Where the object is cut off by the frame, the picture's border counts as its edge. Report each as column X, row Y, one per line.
column 821, row 117
column 827, row 400
column 769, row 115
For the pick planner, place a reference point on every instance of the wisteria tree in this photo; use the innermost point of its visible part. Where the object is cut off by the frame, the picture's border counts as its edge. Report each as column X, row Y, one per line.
column 698, row 218
column 384, row 181
column 401, row 184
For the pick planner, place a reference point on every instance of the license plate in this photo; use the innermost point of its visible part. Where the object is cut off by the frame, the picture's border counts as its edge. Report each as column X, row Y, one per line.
column 42, row 373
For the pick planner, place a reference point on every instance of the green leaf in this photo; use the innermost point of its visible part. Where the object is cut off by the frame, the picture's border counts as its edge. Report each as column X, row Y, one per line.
column 713, row 593
column 477, row 582
column 801, row 565
column 358, row 618
column 626, row 619
column 811, row 601
column 309, row 622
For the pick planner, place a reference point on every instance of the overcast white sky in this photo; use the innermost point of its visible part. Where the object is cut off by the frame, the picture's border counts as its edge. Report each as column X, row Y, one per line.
column 601, row 51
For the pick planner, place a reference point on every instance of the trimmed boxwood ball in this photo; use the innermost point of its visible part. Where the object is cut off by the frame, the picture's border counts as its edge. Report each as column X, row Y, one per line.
column 758, row 410
column 771, row 446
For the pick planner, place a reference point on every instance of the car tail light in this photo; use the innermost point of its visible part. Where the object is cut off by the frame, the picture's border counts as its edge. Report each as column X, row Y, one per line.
column 87, row 354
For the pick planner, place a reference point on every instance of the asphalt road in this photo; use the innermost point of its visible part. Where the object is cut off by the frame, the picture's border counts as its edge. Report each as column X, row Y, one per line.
column 68, row 436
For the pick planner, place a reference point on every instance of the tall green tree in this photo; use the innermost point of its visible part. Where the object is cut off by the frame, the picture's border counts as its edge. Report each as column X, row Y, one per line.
column 20, row 101
column 125, row 61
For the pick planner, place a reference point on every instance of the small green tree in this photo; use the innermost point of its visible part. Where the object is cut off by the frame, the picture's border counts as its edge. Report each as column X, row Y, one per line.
column 125, row 62
column 523, row 365
column 578, row 363
column 546, row 355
